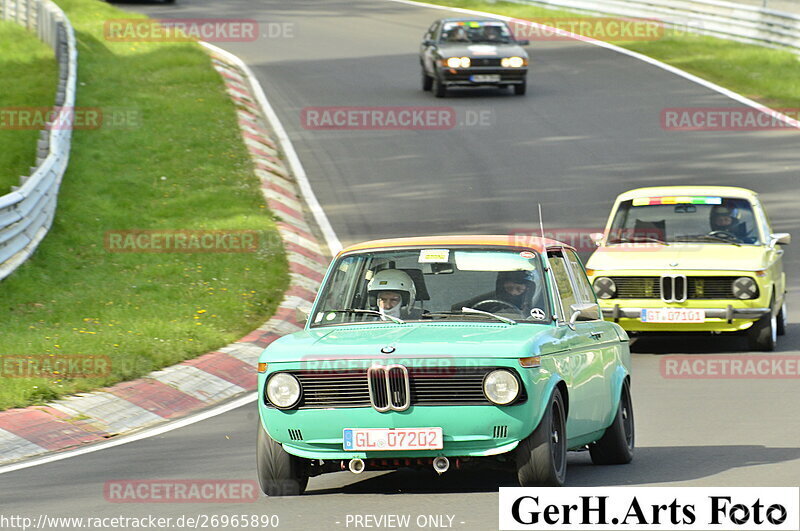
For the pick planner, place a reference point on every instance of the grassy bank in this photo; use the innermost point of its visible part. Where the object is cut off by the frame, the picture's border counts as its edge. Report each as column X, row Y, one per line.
column 28, row 78
column 769, row 76
column 168, row 156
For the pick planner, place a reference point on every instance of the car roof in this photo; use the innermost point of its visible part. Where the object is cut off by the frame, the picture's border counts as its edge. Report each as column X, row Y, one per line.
column 470, row 19
column 661, row 191
column 511, row 241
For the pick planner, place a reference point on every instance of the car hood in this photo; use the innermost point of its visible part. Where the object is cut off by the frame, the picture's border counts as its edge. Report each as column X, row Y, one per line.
column 679, row 256
column 440, row 339
column 482, row 50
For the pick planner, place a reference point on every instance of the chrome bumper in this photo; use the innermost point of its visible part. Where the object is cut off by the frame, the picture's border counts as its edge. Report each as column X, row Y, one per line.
column 729, row 314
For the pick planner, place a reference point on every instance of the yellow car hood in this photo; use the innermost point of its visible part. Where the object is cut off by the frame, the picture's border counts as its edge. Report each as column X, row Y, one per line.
column 677, row 256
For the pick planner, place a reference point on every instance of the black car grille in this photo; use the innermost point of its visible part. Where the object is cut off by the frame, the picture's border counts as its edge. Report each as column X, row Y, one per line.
column 446, row 386
column 651, row 287
column 483, row 61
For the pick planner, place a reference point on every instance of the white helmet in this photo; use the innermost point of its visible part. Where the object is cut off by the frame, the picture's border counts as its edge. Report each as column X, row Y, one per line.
column 394, row 280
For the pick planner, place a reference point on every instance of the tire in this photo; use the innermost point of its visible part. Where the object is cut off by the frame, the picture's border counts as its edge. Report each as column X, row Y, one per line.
column 763, row 334
column 279, row 473
column 439, row 89
column 427, row 81
column 542, row 456
column 781, row 328
column 616, row 445
column 520, row 90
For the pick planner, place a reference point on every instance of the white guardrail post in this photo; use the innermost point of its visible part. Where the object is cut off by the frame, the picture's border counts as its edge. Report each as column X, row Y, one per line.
column 26, row 213
column 718, row 18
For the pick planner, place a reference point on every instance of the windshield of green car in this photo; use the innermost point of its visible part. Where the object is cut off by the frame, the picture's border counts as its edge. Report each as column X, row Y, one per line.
column 476, row 32
column 434, row 284
column 697, row 219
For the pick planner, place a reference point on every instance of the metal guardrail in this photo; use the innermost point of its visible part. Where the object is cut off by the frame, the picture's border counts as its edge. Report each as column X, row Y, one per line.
column 717, row 18
column 26, row 213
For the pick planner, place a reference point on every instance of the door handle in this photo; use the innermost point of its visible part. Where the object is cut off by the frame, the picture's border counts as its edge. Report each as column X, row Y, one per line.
column 596, row 334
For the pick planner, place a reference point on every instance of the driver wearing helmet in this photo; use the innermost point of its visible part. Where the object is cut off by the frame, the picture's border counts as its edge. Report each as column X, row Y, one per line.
column 457, row 34
column 726, row 219
column 393, row 292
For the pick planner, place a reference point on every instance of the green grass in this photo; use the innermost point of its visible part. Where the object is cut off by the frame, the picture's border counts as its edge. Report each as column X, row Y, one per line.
column 180, row 164
column 28, row 77
column 769, row 76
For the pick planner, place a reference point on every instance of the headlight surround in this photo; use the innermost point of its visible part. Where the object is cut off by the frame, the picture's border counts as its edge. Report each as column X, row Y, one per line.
column 604, row 288
column 458, row 62
column 283, row 390
column 512, row 62
column 745, row 288
column 501, row 387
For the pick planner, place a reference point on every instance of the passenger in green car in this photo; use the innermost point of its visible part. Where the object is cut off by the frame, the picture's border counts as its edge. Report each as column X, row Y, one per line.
column 513, row 287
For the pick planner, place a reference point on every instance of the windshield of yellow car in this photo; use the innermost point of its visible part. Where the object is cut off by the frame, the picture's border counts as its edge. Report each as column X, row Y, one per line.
column 697, row 219
column 427, row 284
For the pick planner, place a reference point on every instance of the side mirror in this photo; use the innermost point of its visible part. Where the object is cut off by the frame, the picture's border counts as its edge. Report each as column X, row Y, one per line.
column 780, row 238
column 300, row 316
column 427, row 42
column 523, row 42
column 588, row 311
column 596, row 238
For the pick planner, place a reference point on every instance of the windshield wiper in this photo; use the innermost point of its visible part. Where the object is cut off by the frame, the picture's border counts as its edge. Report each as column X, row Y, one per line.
column 481, row 312
column 638, row 239
column 369, row 312
column 708, row 237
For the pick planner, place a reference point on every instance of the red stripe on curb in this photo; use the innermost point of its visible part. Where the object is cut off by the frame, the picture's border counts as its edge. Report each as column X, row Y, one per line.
column 42, row 429
column 277, row 205
column 237, row 89
column 260, row 338
column 311, row 255
column 244, row 102
column 232, row 77
column 296, row 230
column 156, row 397
column 226, row 367
column 300, row 269
column 257, row 138
column 263, row 154
column 279, row 189
column 276, row 170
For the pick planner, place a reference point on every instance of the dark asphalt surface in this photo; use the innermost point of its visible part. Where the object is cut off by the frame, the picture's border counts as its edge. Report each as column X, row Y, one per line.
column 588, row 129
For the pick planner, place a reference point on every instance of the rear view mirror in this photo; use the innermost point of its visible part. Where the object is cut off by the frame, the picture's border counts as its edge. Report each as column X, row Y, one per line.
column 523, row 42
column 300, row 316
column 780, row 238
column 589, row 311
column 596, row 238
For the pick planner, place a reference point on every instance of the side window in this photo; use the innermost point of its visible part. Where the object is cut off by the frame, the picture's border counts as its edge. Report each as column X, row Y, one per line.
column 585, row 291
column 561, row 274
column 431, row 35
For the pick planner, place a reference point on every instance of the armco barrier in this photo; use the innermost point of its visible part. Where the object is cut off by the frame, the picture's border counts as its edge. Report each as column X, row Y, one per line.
column 27, row 212
column 727, row 20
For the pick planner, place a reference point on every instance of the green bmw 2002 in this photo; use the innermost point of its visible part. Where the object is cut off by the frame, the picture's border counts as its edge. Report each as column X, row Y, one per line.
column 431, row 352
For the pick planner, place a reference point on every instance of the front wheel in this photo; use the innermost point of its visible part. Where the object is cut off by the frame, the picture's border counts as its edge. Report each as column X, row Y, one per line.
column 763, row 334
column 279, row 472
column 427, row 81
column 439, row 88
column 520, row 89
column 616, row 445
column 781, row 328
column 542, row 456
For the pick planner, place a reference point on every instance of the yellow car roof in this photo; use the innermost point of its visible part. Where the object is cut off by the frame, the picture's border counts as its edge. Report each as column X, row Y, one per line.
column 661, row 191
column 508, row 240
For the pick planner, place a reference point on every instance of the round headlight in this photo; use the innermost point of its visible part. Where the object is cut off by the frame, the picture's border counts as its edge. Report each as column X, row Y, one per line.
column 501, row 387
column 515, row 62
column 504, row 62
column 744, row 288
column 605, row 288
column 283, row 390
column 465, row 62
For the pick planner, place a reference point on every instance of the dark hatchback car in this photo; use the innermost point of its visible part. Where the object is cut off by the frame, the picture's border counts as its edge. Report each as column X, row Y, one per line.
column 459, row 52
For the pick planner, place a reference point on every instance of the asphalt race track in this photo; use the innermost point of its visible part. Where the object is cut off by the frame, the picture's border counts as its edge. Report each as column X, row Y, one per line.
column 588, row 129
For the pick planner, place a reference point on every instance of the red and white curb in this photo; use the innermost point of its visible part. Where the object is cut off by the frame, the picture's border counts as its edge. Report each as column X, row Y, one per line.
column 218, row 376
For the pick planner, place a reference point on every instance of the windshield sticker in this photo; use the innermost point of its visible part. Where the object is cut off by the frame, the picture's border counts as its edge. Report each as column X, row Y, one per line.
column 537, row 313
column 434, row 256
column 527, row 254
column 675, row 200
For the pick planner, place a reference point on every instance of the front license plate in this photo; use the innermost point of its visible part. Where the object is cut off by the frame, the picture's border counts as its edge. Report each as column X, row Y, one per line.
column 673, row 315
column 393, row 439
column 485, row 78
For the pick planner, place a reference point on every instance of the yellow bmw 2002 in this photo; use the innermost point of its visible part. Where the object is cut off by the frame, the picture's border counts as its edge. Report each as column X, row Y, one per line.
column 692, row 259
